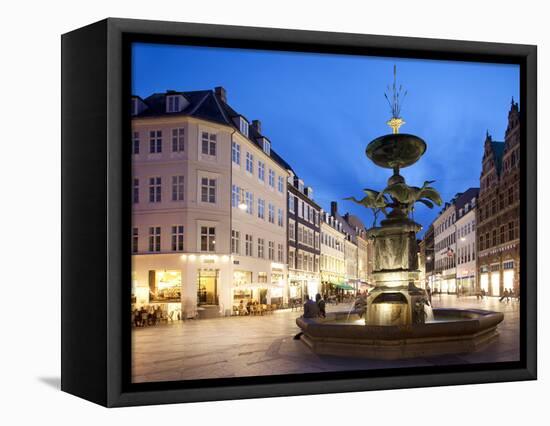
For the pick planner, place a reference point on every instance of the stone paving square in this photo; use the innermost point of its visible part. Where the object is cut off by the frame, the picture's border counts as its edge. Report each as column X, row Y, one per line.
column 264, row 345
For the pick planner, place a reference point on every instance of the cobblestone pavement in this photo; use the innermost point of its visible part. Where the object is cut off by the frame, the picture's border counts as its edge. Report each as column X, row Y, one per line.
column 264, row 345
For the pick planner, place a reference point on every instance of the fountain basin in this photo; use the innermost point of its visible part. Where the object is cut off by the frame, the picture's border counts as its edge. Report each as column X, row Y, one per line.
column 396, row 150
column 452, row 331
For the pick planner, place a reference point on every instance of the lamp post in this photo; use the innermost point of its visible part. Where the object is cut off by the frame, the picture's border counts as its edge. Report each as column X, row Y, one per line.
column 242, row 202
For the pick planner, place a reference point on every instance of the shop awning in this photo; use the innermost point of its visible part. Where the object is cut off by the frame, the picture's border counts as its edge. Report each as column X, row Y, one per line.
column 345, row 286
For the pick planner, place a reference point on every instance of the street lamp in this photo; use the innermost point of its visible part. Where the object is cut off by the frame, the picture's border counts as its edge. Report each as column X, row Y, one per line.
column 242, row 201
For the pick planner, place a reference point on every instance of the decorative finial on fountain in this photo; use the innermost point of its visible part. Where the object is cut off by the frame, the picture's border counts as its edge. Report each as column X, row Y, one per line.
column 395, row 100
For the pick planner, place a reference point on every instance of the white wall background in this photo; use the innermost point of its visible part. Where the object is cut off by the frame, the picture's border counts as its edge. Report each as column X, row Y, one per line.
column 30, row 182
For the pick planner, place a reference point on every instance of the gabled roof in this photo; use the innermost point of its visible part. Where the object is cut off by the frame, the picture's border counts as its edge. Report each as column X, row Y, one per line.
column 498, row 150
column 206, row 105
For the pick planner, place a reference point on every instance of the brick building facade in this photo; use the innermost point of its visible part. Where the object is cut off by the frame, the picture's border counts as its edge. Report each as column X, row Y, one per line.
column 498, row 214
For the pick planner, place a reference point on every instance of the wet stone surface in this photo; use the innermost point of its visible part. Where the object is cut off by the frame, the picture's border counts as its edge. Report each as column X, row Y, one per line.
column 264, row 345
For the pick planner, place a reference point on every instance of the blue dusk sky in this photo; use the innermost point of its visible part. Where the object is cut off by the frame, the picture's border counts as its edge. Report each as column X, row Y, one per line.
column 320, row 111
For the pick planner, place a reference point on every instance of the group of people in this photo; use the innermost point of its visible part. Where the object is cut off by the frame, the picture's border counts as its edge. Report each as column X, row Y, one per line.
column 314, row 308
column 317, row 308
column 251, row 307
column 151, row 315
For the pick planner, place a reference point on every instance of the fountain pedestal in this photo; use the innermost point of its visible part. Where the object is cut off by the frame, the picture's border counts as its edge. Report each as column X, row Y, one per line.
column 395, row 299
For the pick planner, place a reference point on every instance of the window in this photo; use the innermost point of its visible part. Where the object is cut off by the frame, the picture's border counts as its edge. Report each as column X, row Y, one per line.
column 300, row 233
column 266, row 146
column 261, row 248
column 493, row 206
column 249, row 199
column 316, row 264
column 249, row 163
column 280, row 217
column 177, row 188
column 135, row 191
column 291, row 203
column 208, row 144
column 236, row 153
column 511, row 231
column 300, row 208
column 280, row 184
column 271, row 214
column 243, row 126
column 178, row 140
column 177, row 238
column 316, row 240
column 155, row 184
column 271, row 178
column 261, row 171
column 173, row 103
column 291, row 259
column 155, row 141
column 271, row 250
column 279, row 253
column 235, row 195
column 154, row 238
column 494, row 237
column 235, row 242
column 291, row 230
column 481, row 247
column 502, row 228
column 135, row 143
column 248, row 245
column 208, row 190
column 135, row 240
column 299, row 261
column 208, row 238
column 261, row 208
column 510, row 195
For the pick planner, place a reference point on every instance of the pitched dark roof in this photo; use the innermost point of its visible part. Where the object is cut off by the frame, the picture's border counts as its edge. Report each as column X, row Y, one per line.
column 466, row 197
column 206, row 105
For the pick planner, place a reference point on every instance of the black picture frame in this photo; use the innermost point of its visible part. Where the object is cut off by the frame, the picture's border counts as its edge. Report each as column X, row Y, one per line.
column 96, row 227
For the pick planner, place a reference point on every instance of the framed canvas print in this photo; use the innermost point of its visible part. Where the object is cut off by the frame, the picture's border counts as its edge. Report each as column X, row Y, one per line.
column 253, row 212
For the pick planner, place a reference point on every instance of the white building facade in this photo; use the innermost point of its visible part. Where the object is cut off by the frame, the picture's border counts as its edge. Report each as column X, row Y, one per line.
column 333, row 267
column 209, row 207
column 466, row 248
column 445, row 250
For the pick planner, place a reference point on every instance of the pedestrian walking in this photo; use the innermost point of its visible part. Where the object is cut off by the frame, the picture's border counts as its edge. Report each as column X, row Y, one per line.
column 504, row 295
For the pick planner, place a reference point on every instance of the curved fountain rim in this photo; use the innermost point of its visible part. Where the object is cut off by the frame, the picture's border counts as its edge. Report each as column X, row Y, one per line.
column 322, row 327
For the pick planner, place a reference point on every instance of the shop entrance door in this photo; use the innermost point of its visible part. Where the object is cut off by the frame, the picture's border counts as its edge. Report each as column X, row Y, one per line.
column 484, row 282
column 495, row 283
column 207, row 292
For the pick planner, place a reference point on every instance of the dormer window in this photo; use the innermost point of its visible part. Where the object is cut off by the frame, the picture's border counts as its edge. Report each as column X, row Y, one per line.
column 266, row 145
column 243, row 126
column 173, row 103
column 134, row 106
column 137, row 106
column 301, row 186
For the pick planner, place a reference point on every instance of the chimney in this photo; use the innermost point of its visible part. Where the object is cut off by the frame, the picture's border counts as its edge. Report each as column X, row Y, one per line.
column 257, row 124
column 333, row 208
column 221, row 93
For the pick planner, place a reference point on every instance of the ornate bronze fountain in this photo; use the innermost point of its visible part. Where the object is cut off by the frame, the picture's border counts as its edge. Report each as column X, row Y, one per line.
column 396, row 299
column 399, row 322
